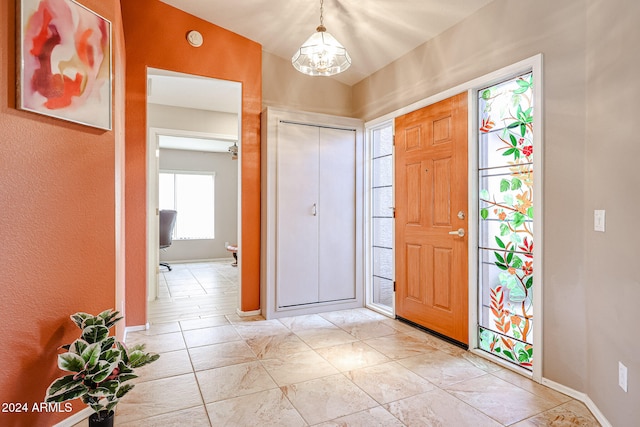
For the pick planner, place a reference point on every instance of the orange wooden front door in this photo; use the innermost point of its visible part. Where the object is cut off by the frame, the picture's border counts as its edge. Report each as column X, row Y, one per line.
column 431, row 206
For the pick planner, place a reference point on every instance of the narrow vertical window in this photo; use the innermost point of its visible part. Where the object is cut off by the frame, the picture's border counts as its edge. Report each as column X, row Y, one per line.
column 506, row 235
column 382, row 272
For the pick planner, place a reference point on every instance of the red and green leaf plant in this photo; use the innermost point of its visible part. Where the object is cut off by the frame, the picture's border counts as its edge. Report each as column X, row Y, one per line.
column 99, row 365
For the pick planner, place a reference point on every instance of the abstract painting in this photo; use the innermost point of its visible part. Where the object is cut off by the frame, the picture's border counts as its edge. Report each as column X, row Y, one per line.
column 65, row 62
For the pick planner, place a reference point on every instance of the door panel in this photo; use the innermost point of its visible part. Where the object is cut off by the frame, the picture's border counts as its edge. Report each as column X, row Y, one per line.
column 441, row 188
column 414, row 270
column 414, row 193
column 442, row 258
column 431, row 188
column 337, row 214
column 412, row 139
column 441, row 130
column 297, row 226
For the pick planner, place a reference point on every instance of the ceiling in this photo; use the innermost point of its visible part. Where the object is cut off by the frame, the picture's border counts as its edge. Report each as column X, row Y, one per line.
column 375, row 32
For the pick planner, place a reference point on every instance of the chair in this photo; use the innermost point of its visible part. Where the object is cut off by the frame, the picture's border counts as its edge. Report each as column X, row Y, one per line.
column 234, row 250
column 167, row 222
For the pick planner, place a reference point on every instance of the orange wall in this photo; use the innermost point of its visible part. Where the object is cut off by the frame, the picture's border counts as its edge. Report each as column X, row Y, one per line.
column 57, row 228
column 155, row 37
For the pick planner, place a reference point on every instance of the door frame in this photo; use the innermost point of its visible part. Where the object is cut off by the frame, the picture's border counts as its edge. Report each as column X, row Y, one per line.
column 153, row 169
column 535, row 64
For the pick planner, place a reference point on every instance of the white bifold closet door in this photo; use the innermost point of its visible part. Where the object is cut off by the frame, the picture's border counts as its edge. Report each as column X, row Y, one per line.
column 315, row 238
column 337, row 215
column 297, row 186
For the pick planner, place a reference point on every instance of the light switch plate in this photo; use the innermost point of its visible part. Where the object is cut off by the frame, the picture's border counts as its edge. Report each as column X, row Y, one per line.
column 598, row 220
column 622, row 376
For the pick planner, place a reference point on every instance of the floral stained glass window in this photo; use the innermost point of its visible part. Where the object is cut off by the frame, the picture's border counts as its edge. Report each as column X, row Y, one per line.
column 505, row 252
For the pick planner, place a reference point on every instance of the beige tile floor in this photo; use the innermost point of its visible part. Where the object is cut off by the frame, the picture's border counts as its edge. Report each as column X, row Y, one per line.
column 343, row 368
column 195, row 290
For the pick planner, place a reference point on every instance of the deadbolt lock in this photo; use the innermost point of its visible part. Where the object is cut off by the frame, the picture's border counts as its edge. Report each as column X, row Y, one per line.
column 461, row 215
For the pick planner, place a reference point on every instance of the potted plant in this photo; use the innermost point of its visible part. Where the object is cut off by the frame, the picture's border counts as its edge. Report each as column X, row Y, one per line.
column 99, row 365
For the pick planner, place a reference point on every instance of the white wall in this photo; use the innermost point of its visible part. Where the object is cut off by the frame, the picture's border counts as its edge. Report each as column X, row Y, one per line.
column 164, row 116
column 226, row 203
column 287, row 88
column 612, row 182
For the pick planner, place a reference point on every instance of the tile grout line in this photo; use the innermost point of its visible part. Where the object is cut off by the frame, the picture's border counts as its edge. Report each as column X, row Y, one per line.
column 195, row 375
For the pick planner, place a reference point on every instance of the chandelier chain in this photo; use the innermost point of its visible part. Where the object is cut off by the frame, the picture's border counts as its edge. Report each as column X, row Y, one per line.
column 321, row 13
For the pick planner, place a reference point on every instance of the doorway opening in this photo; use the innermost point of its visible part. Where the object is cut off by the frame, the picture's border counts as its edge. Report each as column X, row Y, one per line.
column 193, row 130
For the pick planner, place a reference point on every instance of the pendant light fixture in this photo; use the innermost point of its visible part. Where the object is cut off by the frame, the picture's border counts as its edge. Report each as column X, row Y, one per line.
column 321, row 54
column 234, row 151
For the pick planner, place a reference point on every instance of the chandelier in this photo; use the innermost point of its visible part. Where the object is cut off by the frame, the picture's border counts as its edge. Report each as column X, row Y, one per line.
column 321, row 54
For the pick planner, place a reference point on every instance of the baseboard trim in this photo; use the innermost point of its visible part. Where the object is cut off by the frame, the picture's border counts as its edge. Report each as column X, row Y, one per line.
column 577, row 395
column 248, row 313
column 134, row 329
column 75, row 418
column 582, row 397
column 196, row 261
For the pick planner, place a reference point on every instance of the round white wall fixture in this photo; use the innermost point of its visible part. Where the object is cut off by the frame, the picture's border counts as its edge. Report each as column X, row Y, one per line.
column 194, row 38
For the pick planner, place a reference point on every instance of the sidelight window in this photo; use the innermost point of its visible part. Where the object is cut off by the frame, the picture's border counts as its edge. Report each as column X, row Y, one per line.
column 381, row 294
column 506, row 207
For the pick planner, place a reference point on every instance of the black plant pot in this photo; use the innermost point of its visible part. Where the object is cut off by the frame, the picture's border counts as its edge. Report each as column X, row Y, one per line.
column 102, row 419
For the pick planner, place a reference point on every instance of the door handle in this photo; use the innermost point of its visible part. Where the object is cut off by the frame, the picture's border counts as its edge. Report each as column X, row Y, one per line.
column 459, row 232
column 315, row 209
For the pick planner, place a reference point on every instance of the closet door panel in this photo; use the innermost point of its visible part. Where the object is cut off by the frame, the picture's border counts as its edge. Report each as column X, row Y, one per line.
column 336, row 214
column 297, row 220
